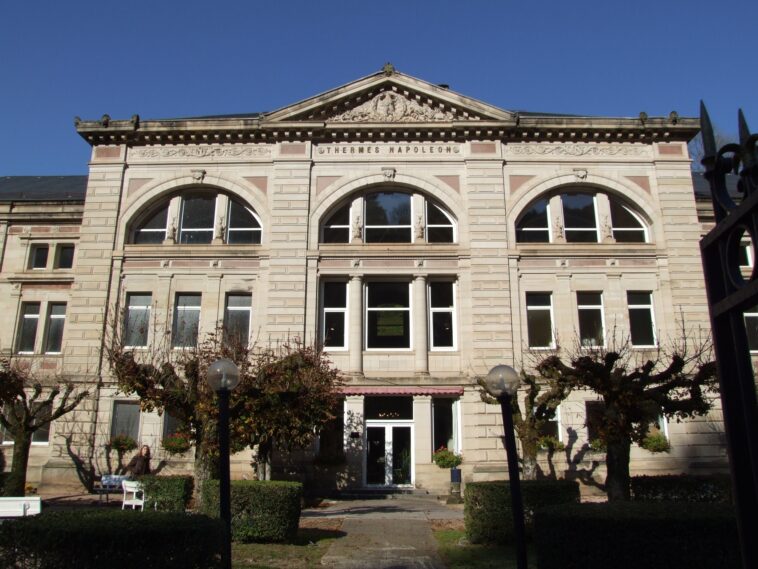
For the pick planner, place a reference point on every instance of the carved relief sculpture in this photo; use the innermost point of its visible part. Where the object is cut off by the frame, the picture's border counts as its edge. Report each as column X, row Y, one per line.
column 357, row 228
column 393, row 107
column 419, row 228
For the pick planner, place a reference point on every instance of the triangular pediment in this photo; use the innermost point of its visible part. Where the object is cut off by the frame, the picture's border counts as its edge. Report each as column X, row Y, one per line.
column 389, row 97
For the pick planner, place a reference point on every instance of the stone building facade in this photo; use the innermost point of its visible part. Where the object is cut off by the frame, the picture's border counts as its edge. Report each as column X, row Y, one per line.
column 422, row 236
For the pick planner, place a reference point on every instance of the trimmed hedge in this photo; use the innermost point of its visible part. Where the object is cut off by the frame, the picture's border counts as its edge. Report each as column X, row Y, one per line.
column 715, row 488
column 168, row 493
column 262, row 510
column 634, row 535
column 94, row 539
column 487, row 506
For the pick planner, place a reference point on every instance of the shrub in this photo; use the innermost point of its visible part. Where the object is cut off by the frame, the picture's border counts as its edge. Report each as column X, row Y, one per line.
column 262, row 510
column 633, row 535
column 551, row 443
column 656, row 443
column 168, row 493
column 93, row 539
column 487, row 510
column 123, row 444
column 598, row 445
column 178, row 443
column 682, row 488
column 445, row 458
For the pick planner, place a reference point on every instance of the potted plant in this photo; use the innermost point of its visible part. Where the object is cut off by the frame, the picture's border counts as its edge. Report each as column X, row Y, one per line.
column 445, row 458
column 178, row 443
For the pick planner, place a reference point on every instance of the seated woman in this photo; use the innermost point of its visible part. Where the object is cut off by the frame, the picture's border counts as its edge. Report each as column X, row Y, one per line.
column 140, row 463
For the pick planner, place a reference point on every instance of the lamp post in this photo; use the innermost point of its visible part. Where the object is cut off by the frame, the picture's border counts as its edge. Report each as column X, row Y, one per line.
column 223, row 376
column 502, row 382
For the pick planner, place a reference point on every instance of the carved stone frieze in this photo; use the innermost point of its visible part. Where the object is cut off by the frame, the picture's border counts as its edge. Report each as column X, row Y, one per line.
column 200, row 151
column 574, row 149
column 394, row 107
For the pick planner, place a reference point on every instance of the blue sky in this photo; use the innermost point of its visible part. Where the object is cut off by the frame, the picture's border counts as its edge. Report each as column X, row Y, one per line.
column 167, row 58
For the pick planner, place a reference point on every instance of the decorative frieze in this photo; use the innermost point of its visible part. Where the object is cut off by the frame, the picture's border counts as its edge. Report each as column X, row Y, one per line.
column 394, row 107
column 201, row 151
column 578, row 149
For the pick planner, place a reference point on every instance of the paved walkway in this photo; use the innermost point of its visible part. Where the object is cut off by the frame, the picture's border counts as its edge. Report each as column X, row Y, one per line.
column 393, row 533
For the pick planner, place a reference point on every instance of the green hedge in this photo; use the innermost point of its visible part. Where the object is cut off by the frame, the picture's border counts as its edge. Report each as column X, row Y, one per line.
column 715, row 488
column 262, row 511
column 168, row 493
column 635, row 535
column 94, row 539
column 487, row 506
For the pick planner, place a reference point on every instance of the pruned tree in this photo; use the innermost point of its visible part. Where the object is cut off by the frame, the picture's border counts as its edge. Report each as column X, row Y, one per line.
column 30, row 403
column 677, row 383
column 285, row 395
column 541, row 397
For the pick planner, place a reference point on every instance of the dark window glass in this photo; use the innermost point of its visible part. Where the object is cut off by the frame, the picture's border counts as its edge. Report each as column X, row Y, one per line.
column 237, row 319
column 335, row 295
column 243, row 227
column 42, row 435
column 197, row 219
column 56, row 319
column 439, row 227
column 388, row 218
column 594, row 417
column 39, row 256
column 153, row 230
column 441, row 294
column 334, row 329
column 28, row 326
column 186, row 321
column 337, row 227
column 751, row 325
column 626, row 227
column 388, row 235
column 125, row 419
column 435, row 216
column 444, row 432
column 389, row 329
column 549, row 429
column 439, row 234
column 579, row 218
column 590, row 318
column 65, row 256
column 641, row 318
column 441, row 303
column 389, row 408
column 170, row 424
column 137, row 319
column 532, row 227
column 442, row 330
column 334, row 314
column 388, row 295
column 539, row 322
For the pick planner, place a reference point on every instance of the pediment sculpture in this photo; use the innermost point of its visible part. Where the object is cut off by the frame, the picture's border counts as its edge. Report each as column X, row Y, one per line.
column 393, row 107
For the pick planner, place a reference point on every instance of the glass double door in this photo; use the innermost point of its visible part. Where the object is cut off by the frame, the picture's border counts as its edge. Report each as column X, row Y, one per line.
column 389, row 454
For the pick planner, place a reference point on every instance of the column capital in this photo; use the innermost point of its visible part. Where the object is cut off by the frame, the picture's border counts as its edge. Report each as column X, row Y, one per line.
column 420, row 276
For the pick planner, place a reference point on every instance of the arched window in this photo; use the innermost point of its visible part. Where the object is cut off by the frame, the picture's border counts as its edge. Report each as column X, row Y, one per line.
column 389, row 216
column 197, row 217
column 581, row 216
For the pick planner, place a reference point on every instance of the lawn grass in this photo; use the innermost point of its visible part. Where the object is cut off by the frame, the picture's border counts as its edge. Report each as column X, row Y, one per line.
column 458, row 554
column 305, row 552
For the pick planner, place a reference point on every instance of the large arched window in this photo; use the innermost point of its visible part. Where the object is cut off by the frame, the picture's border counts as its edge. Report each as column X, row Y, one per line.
column 389, row 216
column 579, row 215
column 198, row 217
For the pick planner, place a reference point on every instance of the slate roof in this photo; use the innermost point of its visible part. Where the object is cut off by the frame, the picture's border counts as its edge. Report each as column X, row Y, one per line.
column 42, row 188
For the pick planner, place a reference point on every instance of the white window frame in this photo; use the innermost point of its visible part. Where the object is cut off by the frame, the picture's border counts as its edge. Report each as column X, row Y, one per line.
column 326, row 225
column 367, row 310
column 580, row 307
column 652, row 318
column 537, row 308
column 535, row 229
column 113, row 415
column 49, row 317
column 557, row 420
column 366, row 226
column 642, row 228
column 176, row 311
column 229, row 227
column 587, row 229
column 147, row 308
column 248, row 309
column 427, row 225
column 144, row 219
column 335, row 310
column 431, row 311
column 32, row 253
column 181, row 231
column 22, row 319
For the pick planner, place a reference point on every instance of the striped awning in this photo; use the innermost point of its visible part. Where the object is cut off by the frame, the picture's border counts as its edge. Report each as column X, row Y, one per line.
column 401, row 390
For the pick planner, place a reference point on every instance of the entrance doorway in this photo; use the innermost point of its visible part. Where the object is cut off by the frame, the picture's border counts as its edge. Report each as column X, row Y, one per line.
column 389, row 454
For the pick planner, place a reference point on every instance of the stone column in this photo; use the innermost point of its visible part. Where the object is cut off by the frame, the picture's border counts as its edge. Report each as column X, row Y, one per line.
column 353, row 441
column 422, row 423
column 355, row 342
column 420, row 342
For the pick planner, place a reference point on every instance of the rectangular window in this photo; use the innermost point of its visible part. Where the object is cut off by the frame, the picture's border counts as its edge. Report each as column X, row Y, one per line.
column 388, row 218
column 42, row 435
column 552, row 427
column 198, row 215
column 591, row 329
column 641, row 321
column 239, row 309
column 539, row 319
column 27, row 330
column 751, row 324
column 442, row 315
column 64, row 257
column 334, row 315
column 170, row 425
column 186, row 320
column 38, row 257
column 56, row 319
column 388, row 316
column 137, row 319
column 579, row 219
column 594, row 412
column 125, row 419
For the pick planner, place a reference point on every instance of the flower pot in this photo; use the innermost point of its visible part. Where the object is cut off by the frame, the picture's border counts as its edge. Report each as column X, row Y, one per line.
column 455, row 486
column 455, row 475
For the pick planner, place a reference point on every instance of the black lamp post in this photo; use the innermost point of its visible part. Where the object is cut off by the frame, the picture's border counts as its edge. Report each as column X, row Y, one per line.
column 502, row 383
column 223, row 376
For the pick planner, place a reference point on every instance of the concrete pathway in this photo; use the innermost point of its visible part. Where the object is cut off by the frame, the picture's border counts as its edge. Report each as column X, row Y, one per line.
column 393, row 533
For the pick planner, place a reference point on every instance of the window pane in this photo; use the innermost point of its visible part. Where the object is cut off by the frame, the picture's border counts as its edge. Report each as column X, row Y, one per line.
column 589, row 298
column 594, row 413
column 65, row 256
column 240, row 217
column 581, row 236
column 578, row 211
column 389, row 408
column 157, row 220
column 39, row 256
column 388, row 208
column 539, row 328
column 439, row 234
column 629, row 236
column 538, row 299
column 634, row 298
column 237, row 318
column 186, row 321
column 435, row 215
column 442, row 329
column 336, row 235
column 42, row 435
column 388, row 295
column 641, row 323
column 153, row 230
column 28, row 331
column 389, row 329
column 55, row 322
column 149, row 237
column 334, row 329
column 239, row 300
column 541, row 236
column 751, row 324
column 549, row 429
column 335, row 295
column 535, row 217
column 340, row 217
column 170, row 424
column 243, row 237
column 622, row 218
column 441, row 295
column 388, row 235
column 591, row 327
column 193, row 237
column 198, row 212
column 125, row 419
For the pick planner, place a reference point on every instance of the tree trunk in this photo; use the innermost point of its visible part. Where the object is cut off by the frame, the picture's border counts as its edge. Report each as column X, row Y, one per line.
column 618, row 481
column 15, row 483
column 263, row 461
column 206, row 468
column 530, row 467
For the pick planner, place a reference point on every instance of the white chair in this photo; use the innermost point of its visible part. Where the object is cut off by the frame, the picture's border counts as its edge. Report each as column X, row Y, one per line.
column 134, row 495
